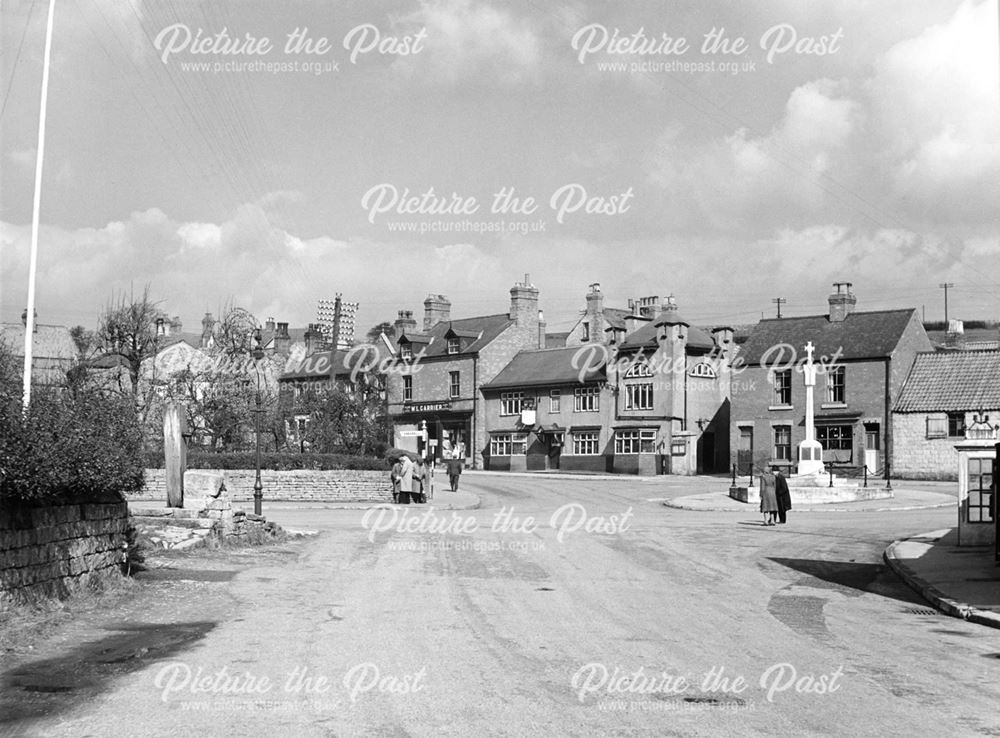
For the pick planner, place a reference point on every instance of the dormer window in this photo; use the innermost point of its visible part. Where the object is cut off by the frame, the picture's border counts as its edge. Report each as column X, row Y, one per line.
column 454, row 345
column 405, row 351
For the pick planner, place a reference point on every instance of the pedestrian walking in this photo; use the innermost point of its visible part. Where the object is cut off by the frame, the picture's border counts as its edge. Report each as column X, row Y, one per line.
column 782, row 494
column 405, row 480
column 768, row 497
column 454, row 468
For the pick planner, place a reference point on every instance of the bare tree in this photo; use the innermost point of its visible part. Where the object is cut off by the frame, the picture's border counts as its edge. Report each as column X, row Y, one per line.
column 128, row 329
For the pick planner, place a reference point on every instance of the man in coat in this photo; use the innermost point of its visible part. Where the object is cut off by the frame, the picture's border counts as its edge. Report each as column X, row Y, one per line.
column 454, row 468
column 783, row 495
column 405, row 480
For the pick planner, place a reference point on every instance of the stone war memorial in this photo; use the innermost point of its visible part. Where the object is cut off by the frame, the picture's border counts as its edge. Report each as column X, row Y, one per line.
column 813, row 483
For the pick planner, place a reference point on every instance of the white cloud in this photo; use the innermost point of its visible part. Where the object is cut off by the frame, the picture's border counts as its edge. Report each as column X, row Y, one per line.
column 936, row 115
column 914, row 145
column 468, row 39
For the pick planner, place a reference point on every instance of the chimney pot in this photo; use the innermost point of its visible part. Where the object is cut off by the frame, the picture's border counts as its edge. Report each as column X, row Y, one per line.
column 842, row 302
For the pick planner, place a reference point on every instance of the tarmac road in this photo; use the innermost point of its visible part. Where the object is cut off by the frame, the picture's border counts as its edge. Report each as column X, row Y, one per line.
column 444, row 626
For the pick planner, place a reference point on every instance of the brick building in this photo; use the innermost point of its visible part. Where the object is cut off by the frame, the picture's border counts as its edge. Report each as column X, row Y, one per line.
column 433, row 389
column 601, row 324
column 864, row 359
column 671, row 383
column 654, row 400
column 944, row 393
column 545, row 412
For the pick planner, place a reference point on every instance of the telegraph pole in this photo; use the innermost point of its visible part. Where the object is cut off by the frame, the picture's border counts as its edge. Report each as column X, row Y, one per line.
column 946, row 286
column 778, row 301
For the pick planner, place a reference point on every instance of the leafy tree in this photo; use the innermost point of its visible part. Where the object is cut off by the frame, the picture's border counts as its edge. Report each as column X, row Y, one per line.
column 342, row 419
column 384, row 327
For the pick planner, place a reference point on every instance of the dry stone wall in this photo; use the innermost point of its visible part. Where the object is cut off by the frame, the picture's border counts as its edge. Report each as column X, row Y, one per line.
column 298, row 485
column 47, row 550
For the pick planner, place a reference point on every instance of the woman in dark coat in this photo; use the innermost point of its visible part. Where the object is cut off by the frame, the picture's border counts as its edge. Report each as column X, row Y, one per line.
column 768, row 497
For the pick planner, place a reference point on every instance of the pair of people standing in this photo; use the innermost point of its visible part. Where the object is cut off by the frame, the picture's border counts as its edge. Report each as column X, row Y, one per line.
column 409, row 481
column 775, row 499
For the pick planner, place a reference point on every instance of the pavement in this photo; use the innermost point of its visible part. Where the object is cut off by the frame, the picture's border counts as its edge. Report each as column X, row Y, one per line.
column 961, row 582
column 442, row 500
column 902, row 499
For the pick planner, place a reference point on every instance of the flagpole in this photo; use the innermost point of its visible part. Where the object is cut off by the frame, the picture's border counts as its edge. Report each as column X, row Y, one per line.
column 29, row 323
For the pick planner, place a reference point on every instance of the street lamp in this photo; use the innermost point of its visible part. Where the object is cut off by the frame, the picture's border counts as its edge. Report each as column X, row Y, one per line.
column 257, row 353
column 156, row 352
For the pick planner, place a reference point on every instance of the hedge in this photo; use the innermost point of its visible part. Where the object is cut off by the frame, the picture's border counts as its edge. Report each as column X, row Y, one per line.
column 198, row 459
column 82, row 445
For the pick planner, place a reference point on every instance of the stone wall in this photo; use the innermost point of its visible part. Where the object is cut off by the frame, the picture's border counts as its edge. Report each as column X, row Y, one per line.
column 46, row 550
column 920, row 457
column 298, row 485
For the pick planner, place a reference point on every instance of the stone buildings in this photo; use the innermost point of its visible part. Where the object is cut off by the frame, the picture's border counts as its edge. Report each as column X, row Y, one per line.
column 53, row 350
column 433, row 389
column 652, row 398
column 865, row 358
column 944, row 394
column 546, row 410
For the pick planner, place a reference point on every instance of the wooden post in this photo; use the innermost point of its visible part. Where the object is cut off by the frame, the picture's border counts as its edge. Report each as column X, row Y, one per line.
column 174, row 454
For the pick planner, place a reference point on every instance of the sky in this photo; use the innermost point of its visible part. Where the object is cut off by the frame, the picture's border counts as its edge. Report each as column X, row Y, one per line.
column 269, row 155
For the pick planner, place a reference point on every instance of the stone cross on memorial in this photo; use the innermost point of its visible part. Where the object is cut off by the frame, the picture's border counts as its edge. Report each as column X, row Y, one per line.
column 810, row 451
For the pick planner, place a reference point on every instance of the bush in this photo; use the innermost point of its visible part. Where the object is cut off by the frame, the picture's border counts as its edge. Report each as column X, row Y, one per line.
column 197, row 459
column 82, row 445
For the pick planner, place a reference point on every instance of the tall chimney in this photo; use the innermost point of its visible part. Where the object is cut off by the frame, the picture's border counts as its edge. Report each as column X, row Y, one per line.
column 282, row 341
column 595, row 299
column 207, row 330
column 842, row 302
column 437, row 309
column 404, row 323
column 541, row 330
column 524, row 302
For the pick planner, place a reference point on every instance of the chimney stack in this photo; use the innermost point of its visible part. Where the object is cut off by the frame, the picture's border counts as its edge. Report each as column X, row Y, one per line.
column 541, row 330
column 524, row 303
column 595, row 299
column 842, row 302
column 282, row 341
column 437, row 309
column 207, row 330
column 404, row 323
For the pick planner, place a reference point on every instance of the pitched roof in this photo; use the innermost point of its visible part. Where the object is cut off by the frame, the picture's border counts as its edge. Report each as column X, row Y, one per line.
column 952, row 380
column 973, row 339
column 864, row 335
column 486, row 327
column 543, row 367
column 615, row 317
column 49, row 341
column 645, row 337
column 342, row 363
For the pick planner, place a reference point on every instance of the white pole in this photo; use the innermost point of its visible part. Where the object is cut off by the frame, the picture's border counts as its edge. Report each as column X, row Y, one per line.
column 29, row 325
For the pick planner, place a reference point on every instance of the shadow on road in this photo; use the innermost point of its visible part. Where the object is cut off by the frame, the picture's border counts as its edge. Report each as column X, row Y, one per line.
column 855, row 578
column 49, row 686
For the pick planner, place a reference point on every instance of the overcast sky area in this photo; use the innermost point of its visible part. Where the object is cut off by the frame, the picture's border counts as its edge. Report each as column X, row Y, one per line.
column 742, row 177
